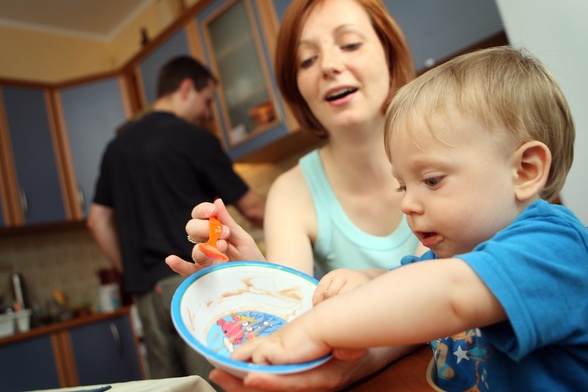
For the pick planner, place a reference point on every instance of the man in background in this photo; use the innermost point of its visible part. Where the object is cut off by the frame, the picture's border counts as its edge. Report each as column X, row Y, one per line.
column 152, row 174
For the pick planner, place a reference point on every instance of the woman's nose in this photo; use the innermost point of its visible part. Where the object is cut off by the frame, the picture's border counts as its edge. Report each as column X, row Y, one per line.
column 330, row 63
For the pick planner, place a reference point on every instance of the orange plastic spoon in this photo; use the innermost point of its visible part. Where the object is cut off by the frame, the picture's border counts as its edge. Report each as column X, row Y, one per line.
column 209, row 248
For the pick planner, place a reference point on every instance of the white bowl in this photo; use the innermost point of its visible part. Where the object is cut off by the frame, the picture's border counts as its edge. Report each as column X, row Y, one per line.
column 220, row 307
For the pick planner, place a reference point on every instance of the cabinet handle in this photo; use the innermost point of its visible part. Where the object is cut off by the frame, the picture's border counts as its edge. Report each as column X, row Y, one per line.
column 82, row 198
column 24, row 202
column 116, row 337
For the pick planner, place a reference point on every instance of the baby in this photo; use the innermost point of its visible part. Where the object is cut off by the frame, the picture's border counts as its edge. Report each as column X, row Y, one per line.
column 479, row 146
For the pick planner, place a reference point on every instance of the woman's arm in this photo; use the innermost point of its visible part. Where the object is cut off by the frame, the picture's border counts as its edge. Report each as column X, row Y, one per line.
column 290, row 222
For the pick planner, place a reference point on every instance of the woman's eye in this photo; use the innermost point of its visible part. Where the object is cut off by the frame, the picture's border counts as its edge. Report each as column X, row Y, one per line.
column 307, row 62
column 352, row 46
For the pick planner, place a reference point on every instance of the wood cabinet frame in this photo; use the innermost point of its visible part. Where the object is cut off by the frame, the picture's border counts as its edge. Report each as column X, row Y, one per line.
column 257, row 40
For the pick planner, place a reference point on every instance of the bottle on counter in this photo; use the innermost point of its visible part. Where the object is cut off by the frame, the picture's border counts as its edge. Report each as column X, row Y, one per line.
column 19, row 290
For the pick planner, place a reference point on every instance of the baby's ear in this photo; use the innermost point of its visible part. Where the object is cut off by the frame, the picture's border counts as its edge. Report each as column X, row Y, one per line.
column 532, row 162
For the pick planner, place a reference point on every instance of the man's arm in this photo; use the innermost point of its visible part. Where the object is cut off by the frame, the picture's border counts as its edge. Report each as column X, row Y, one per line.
column 102, row 224
column 252, row 206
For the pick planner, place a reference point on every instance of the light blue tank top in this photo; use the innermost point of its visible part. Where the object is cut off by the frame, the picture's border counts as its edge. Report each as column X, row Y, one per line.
column 341, row 244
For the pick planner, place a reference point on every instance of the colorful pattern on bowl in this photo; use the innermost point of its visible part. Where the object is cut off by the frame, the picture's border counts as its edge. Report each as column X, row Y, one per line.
column 232, row 330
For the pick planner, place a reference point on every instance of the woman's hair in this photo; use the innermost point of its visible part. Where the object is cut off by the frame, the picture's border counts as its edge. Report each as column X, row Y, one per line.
column 395, row 47
column 179, row 68
column 505, row 88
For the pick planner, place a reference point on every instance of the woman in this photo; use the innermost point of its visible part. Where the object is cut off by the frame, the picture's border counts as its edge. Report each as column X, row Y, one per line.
column 350, row 59
column 338, row 63
column 337, row 81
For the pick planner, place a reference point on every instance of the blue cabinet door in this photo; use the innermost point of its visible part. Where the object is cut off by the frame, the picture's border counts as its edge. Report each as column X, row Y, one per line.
column 280, row 7
column 35, row 162
column 92, row 112
column 437, row 30
column 2, row 224
column 28, row 365
column 175, row 46
column 105, row 352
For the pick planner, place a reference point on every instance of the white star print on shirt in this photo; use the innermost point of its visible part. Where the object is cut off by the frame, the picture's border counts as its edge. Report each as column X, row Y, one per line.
column 461, row 354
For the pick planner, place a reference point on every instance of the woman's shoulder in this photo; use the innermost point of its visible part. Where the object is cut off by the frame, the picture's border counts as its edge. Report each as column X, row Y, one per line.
column 292, row 180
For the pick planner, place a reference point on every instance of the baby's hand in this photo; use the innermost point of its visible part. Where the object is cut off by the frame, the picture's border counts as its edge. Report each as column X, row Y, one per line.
column 337, row 282
column 293, row 343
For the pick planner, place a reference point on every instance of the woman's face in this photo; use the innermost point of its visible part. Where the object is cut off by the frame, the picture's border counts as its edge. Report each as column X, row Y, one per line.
column 342, row 69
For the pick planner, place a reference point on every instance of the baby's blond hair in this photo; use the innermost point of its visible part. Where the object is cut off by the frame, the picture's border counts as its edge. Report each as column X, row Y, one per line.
column 502, row 87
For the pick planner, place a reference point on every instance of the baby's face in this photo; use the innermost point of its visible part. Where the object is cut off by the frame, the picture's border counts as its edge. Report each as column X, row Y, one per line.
column 457, row 178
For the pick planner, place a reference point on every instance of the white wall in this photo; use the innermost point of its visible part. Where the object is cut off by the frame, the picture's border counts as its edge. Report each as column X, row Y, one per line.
column 557, row 33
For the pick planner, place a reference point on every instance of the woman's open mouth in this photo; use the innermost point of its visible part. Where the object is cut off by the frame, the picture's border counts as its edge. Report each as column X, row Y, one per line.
column 342, row 93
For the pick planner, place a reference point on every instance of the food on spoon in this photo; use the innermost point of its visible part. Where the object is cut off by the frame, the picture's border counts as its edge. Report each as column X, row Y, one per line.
column 209, row 247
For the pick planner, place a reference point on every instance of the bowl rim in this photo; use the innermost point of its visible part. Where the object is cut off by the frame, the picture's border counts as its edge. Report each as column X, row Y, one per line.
column 227, row 361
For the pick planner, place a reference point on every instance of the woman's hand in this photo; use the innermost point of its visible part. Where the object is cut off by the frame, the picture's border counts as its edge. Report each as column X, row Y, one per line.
column 346, row 367
column 234, row 241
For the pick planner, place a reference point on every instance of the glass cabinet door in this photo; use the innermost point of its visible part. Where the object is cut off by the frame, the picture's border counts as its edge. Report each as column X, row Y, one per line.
column 246, row 98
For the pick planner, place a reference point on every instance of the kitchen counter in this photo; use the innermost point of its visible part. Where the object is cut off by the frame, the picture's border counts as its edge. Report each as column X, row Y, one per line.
column 410, row 373
column 99, row 348
column 179, row 384
column 63, row 325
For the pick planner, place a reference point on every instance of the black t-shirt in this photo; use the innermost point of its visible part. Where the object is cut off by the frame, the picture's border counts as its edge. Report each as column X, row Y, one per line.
column 153, row 174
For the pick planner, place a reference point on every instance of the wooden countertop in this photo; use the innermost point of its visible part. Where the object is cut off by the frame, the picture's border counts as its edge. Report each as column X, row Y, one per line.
column 408, row 374
column 58, row 326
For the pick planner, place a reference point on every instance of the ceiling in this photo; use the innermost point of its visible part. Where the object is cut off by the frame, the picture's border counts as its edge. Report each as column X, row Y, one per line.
column 92, row 19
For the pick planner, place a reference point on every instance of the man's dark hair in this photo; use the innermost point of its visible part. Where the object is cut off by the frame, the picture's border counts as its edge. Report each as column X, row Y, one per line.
column 180, row 68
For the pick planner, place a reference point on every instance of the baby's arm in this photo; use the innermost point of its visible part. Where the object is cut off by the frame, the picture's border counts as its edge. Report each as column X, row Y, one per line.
column 409, row 305
column 342, row 280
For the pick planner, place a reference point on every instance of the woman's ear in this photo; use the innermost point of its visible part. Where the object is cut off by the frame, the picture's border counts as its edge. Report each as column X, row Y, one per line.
column 532, row 163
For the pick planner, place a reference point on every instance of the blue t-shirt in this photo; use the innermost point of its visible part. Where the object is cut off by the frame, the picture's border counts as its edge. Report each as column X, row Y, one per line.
column 537, row 268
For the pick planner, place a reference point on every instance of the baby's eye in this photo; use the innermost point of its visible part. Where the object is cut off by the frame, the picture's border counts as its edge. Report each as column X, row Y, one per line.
column 401, row 188
column 432, row 182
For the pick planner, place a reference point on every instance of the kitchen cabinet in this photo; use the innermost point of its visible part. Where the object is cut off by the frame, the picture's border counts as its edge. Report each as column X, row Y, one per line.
column 97, row 349
column 28, row 365
column 148, row 68
column 4, row 191
column 1, row 213
column 33, row 188
column 438, row 30
column 280, row 7
column 105, row 352
column 89, row 115
column 237, row 40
